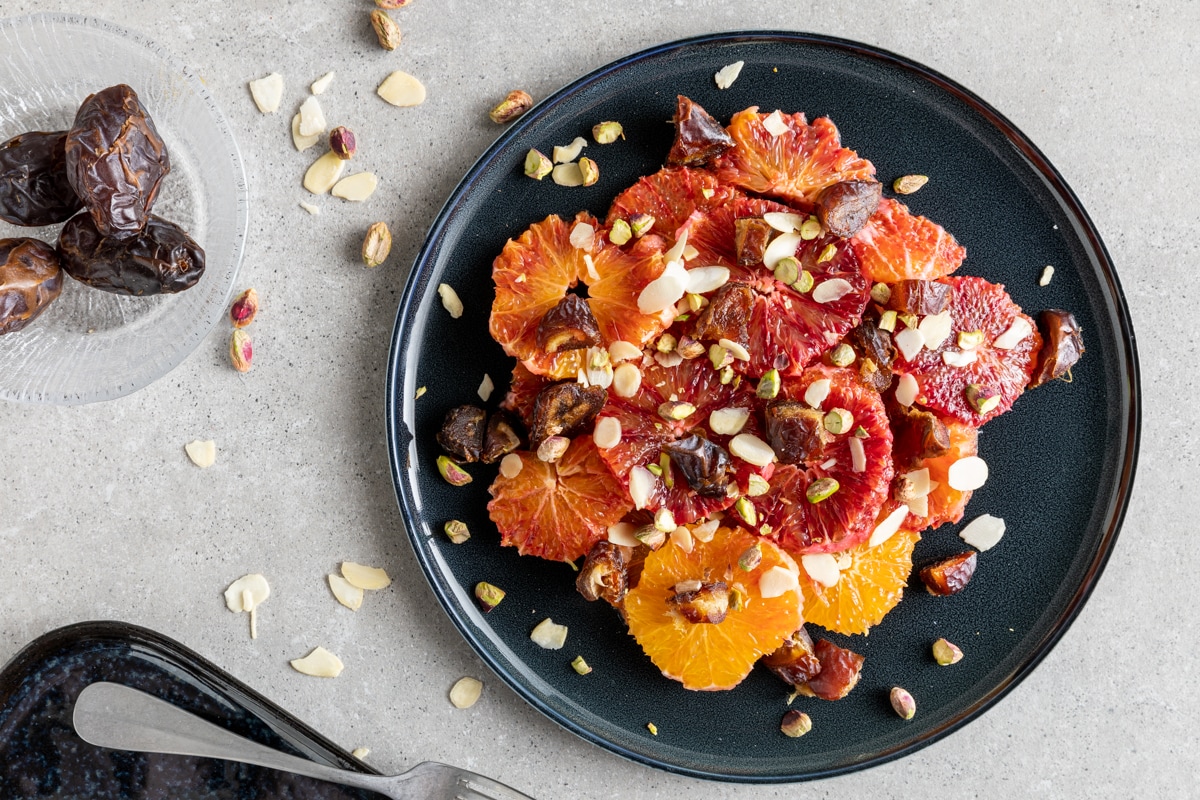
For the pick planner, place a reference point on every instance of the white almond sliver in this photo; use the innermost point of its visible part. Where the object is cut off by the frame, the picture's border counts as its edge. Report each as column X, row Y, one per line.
column 365, row 577
column 356, row 188
column 916, row 484
column 958, row 358
column 727, row 74
column 832, row 290
column 829, row 464
column 822, row 568
column 320, row 663
column 816, row 392
column 486, row 387
column 301, row 141
column 783, row 221
column 623, row 351
column 310, row 208
column 887, row 529
column 858, row 455
column 641, row 483
column 1047, row 274
column 627, row 379
column 607, row 432
column 751, row 449
column 705, row 531
column 669, row 360
column 735, row 349
column 664, row 291
column 567, row 175
column 511, row 466
column 676, row 251
column 907, row 390
column 936, row 328
column 254, row 587
column 203, row 453
column 919, row 506
column 681, row 537
column 549, row 634
column 346, row 593
column 689, row 253
column 570, row 152
column 967, row 474
column 983, row 532
column 267, row 92
column 909, row 342
column 777, row 581
column 1015, row 334
column 465, row 692
column 359, row 752
column 781, row 246
column 702, row 280
column 450, row 300
column 582, row 236
column 324, row 173
column 402, row 89
column 312, row 118
column 321, row 83
column 728, row 421
column 774, row 123
column 622, row 534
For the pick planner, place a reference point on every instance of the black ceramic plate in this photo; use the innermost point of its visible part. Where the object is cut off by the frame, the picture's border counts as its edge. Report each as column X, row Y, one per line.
column 42, row 757
column 1061, row 461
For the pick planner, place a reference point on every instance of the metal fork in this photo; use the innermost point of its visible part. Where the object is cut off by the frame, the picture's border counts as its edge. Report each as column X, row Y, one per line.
column 121, row 718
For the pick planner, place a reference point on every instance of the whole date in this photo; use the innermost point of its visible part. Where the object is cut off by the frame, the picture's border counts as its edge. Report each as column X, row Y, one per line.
column 34, row 189
column 30, row 279
column 162, row 259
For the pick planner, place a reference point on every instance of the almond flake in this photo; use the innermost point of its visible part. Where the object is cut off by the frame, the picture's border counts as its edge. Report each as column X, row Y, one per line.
column 689, row 253
column 570, row 152
column 641, row 483
column 1047, row 274
column 622, row 534
column 583, row 236
column 1015, row 334
column 627, row 379
column 623, row 351
column 664, row 291
column 267, row 92
column 247, row 593
column 310, row 208
column 728, row 421
column 676, row 251
column 936, row 328
column 465, row 692
column 450, row 300
column 918, row 506
column 705, row 531
column 983, row 532
column 402, row 89
column 832, row 290
column 858, row 454
column 549, row 634
column 967, row 474
column 486, row 387
column 320, row 663
column 774, row 123
column 909, row 342
column 593, row 275
column 346, row 593
column 907, row 390
column 959, row 358
column 914, row 484
column 324, row 173
column 567, row 175
column 321, row 83
column 778, row 581
column 607, row 433
column 735, row 349
column 681, row 537
column 702, row 280
column 816, row 392
column 781, row 246
column 359, row 752
column 822, row 568
column 511, row 466
column 312, row 118
column 301, row 141
column 784, row 221
column 364, row 577
column 886, row 529
column 751, row 449
column 356, row 188
column 727, row 74
column 829, row 464
column 203, row 453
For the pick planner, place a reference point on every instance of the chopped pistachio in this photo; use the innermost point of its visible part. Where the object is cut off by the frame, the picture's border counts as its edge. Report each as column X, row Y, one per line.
column 787, row 270
column 768, row 385
column 650, row 726
column 881, row 293
column 727, row 376
column 654, row 469
column 907, row 184
column 457, row 531
column 903, row 703
column 887, row 321
column 842, row 355
column 827, row 254
column 756, row 485
column 489, row 596
column 804, row 282
column 861, row 433
column 537, row 164
column 751, row 557
column 745, row 509
column 982, row 399
column 945, row 653
column 580, row 666
column 607, row 132
column 795, row 724
column 651, row 536
column 452, row 472
column 810, row 229
column 969, row 340
column 620, row 232
column 589, row 170
column 821, row 489
column 719, row 356
column 838, row 420
column 641, row 224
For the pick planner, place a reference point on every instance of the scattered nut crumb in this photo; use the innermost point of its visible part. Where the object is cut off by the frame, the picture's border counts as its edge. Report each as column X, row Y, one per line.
column 1047, row 274
column 312, row 118
column 650, row 726
column 728, row 74
column 377, row 244
column 907, row 184
column 321, row 83
column 514, row 105
column 549, row 634
column 580, row 666
column 450, row 300
column 324, row 173
column 346, row 593
column 402, row 89
column 203, row 453
column 356, row 188
column 360, row 752
column 365, row 577
column 420, row 391
column 310, row 208
column 486, row 387
column 247, row 593
column 267, row 92
column 465, row 692
column 320, row 663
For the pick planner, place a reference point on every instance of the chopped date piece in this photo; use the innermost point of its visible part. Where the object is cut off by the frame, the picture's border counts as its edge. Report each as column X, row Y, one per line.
column 874, row 346
column 795, row 432
column 698, row 137
column 840, row 671
column 845, row 207
column 116, row 160
column 726, row 315
column 919, row 297
column 160, row 259
column 564, row 409
column 570, row 325
column 919, row 435
column 705, row 464
column 1062, row 346
column 708, row 604
column 795, row 662
column 34, row 189
column 30, row 279
column 603, row 574
column 750, row 239
column 950, row 575
column 500, row 439
column 462, row 433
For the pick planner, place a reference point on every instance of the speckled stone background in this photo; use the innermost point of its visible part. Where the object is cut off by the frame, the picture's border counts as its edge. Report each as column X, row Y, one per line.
column 102, row 515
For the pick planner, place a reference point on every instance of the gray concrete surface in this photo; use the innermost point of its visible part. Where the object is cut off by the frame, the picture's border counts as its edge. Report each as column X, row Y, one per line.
column 102, row 516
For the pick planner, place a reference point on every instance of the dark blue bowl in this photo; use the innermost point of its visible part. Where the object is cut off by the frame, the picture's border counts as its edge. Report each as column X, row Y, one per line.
column 1062, row 461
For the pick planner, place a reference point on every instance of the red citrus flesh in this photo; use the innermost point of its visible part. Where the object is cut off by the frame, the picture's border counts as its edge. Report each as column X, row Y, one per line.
column 897, row 245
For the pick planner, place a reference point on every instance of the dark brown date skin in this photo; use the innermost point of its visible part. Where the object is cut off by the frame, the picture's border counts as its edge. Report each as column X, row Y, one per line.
column 116, row 160
column 919, row 297
column 462, row 433
column 162, row 259
column 1062, row 346
column 698, row 137
column 570, row 325
column 603, row 574
column 30, row 279
column 564, row 409
column 795, row 662
column 726, row 315
column 34, row 189
column 795, row 432
column 950, row 575
column 705, row 465
column 751, row 235
column 845, row 207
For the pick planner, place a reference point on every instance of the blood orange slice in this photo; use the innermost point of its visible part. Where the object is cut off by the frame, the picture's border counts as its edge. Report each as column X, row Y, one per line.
column 897, row 245
column 558, row 510
column 944, row 503
column 534, row 272
column 846, row 517
column 709, row 656
column 795, row 165
column 670, row 196
column 975, row 306
column 870, row 585
column 523, row 390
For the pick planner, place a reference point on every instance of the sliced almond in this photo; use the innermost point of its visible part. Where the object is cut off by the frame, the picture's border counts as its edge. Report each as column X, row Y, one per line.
column 936, row 328
column 914, row 484
column 402, row 89
column 310, row 208
column 702, row 280
column 775, row 124
column 681, row 537
column 622, row 534
column 959, row 358
column 465, row 692
column 321, row 83
column 346, row 593
column 777, row 581
column 267, row 92
column 1047, row 274
column 641, row 482
column 783, row 245
column 627, row 379
column 784, row 221
column 967, row 474
column 236, row 595
column 728, row 421
column 888, row 528
column 486, row 387
column 918, row 506
column 624, row 351
column 816, row 392
column 909, row 342
column 983, row 532
column 301, row 141
column 359, row 752
column 727, row 74
column 356, row 188
column 607, row 433
column 511, row 466
column 907, row 390
column 822, row 568
column 751, row 449
column 705, row 531
column 583, row 236
column 450, row 300
column 312, row 118
column 832, row 290
column 567, row 175
column 549, row 634
column 665, row 290
column 320, row 663
column 324, row 173
column 858, row 454
column 570, row 152
column 365, row 577
column 203, row 453
column 1015, row 334
column 735, row 349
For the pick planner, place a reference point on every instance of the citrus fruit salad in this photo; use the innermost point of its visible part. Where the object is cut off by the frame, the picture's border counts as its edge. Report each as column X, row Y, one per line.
column 741, row 396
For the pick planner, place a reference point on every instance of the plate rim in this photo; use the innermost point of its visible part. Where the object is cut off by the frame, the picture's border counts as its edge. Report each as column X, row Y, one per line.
column 399, row 437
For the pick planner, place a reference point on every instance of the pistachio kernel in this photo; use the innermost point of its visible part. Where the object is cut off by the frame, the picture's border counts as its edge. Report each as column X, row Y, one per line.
column 881, row 293
column 719, row 356
column 452, row 472
column 620, row 232
column 787, row 270
column 666, row 343
column 607, row 132
column 664, row 520
column 982, row 399
column 750, row 558
column 514, row 105
column 727, row 376
column 821, row 489
column 909, row 320
column 650, row 726
column 456, row 530
column 745, row 509
column 641, row 224
column 489, row 596
column 664, row 463
column 969, row 340
column 676, row 410
column 795, row 724
column 768, row 385
column 241, row 350
column 737, row 599
column 804, row 283
column 827, row 254
column 580, row 666
column 810, row 229
column 244, row 308
column 907, row 184
column 377, row 244
column 842, row 355
column 861, row 433
column 946, row 653
column 756, row 485
column 537, row 164
column 651, row 536
column 386, row 30
column 903, row 703
column 589, row 170
column 887, row 321
column 655, row 470
column 695, row 302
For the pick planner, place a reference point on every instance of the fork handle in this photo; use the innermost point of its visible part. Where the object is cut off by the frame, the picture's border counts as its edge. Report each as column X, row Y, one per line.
column 121, row 718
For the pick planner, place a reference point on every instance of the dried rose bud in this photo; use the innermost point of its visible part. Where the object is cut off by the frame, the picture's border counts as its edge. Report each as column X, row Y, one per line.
column 489, row 596
column 589, row 171
column 453, row 473
column 514, row 105
column 537, row 164
column 377, row 244
column 903, row 703
column 244, row 309
column 607, row 132
column 386, row 30
column 241, row 351
column 342, row 142
column 795, row 724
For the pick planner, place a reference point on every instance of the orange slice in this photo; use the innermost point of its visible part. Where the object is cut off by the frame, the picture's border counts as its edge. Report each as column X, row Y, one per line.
column 866, row 591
